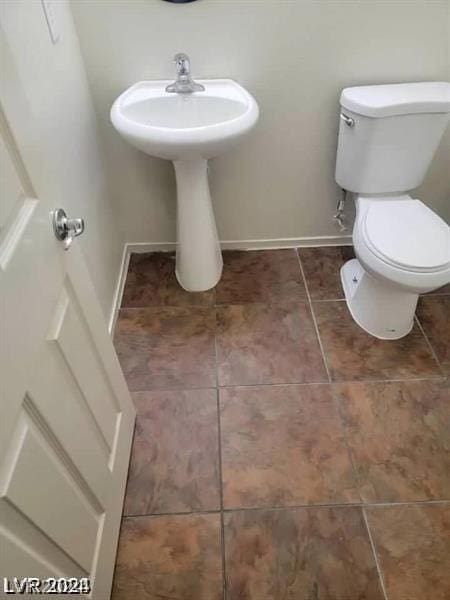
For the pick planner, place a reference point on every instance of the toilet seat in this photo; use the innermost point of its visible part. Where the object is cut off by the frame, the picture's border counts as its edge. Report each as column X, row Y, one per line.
column 406, row 234
column 402, row 242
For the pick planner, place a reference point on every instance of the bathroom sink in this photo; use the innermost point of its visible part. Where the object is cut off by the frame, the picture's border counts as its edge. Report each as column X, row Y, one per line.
column 188, row 123
column 184, row 126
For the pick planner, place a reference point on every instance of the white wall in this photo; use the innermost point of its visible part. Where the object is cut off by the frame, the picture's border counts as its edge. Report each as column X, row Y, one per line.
column 295, row 56
column 67, row 169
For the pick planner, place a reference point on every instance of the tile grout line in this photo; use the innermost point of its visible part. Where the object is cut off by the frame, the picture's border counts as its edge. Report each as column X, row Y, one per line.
column 305, row 283
column 338, row 405
column 292, row 383
column 323, row 300
column 219, row 446
column 272, row 302
column 403, row 503
column 260, row 302
column 173, row 514
column 359, row 504
column 221, row 305
column 336, row 401
column 216, row 353
column 430, row 346
column 222, row 523
column 348, row 505
column 375, row 555
column 333, row 382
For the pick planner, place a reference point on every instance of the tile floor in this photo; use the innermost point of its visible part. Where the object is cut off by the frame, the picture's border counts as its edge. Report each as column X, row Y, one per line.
column 281, row 453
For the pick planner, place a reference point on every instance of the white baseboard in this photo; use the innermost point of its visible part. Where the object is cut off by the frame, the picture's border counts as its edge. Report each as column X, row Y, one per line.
column 274, row 244
column 330, row 240
column 117, row 300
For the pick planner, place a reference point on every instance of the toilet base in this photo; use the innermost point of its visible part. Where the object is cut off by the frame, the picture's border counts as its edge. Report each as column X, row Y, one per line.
column 380, row 309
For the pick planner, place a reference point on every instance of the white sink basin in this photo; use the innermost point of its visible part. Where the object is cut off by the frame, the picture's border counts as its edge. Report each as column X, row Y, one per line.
column 184, row 126
column 188, row 128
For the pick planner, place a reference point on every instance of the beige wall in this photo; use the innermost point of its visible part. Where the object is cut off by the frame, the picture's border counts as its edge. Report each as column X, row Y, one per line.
column 437, row 183
column 66, row 167
column 295, row 56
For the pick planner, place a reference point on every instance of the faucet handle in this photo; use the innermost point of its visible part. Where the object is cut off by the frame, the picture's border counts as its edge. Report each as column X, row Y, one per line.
column 184, row 83
column 182, row 62
column 180, row 56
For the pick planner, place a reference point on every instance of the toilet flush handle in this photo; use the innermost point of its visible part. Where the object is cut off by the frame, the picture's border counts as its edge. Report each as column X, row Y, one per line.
column 347, row 120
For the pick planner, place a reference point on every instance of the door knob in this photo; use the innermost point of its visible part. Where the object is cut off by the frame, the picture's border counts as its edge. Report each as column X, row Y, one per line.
column 66, row 229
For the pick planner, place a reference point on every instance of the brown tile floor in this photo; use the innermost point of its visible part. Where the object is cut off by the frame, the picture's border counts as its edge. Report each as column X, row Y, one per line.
column 174, row 463
column 433, row 313
column 413, row 545
column 280, row 452
column 267, row 343
column 300, row 554
column 283, row 446
column 167, row 347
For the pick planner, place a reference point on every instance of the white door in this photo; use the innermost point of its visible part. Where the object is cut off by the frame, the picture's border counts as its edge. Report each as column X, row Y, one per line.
column 66, row 415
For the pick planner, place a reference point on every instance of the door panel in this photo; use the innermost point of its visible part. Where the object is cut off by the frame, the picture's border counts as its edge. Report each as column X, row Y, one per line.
column 73, row 521
column 91, row 458
column 72, row 338
column 15, row 553
column 66, row 414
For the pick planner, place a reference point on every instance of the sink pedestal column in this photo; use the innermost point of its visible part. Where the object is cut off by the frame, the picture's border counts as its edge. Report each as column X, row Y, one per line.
column 199, row 259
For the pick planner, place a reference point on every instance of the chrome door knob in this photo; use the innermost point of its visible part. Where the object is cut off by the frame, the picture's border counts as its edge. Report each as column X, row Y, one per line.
column 66, row 229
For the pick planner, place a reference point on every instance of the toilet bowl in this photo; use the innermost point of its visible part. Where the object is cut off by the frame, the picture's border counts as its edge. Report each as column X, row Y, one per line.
column 403, row 250
column 388, row 136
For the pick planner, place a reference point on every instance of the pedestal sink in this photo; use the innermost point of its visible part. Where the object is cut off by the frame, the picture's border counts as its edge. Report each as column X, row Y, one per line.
column 188, row 129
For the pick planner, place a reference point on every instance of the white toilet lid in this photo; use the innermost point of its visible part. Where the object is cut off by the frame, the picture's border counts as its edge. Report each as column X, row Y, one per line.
column 407, row 234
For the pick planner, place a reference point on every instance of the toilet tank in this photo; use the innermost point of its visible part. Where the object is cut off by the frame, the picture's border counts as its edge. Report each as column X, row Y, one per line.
column 388, row 135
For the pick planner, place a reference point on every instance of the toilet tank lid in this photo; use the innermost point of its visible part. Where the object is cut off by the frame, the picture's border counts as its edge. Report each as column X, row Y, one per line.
column 397, row 99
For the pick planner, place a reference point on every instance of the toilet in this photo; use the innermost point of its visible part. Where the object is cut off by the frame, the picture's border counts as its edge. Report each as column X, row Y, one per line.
column 388, row 135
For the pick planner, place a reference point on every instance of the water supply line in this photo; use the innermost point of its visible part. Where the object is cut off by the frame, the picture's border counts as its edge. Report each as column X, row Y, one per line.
column 340, row 216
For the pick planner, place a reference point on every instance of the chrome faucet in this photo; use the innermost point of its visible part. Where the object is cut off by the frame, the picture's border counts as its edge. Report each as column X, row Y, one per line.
column 184, row 83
